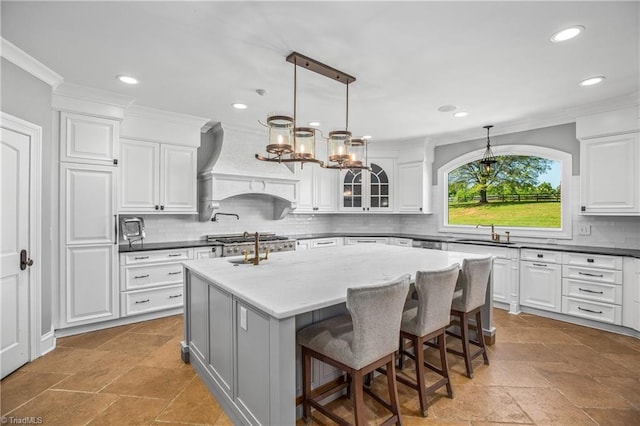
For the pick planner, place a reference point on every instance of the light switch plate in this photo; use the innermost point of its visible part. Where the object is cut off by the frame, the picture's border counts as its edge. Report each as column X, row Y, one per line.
column 584, row 230
column 243, row 318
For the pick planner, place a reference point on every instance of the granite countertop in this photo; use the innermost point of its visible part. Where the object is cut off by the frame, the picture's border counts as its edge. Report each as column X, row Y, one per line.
column 314, row 279
column 124, row 248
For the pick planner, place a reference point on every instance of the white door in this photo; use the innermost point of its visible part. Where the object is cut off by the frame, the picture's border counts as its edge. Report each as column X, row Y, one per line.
column 15, row 218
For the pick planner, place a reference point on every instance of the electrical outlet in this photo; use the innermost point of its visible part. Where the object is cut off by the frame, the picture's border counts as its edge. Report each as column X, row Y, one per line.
column 584, row 230
column 243, row 318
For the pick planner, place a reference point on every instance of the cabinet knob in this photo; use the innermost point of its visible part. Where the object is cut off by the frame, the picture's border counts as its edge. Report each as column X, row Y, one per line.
column 157, row 207
column 583, row 209
column 161, row 207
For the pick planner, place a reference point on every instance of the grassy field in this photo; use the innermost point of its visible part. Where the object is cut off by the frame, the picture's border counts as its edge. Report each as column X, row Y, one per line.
column 529, row 215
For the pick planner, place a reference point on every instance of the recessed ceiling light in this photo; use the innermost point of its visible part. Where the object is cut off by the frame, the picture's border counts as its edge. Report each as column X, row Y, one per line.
column 460, row 114
column 367, row 137
column 314, row 123
column 447, row 108
column 592, row 80
column 127, row 79
column 567, row 33
column 239, row 106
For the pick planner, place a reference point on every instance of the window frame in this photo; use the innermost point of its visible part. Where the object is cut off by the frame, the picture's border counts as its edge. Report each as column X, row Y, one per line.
column 565, row 160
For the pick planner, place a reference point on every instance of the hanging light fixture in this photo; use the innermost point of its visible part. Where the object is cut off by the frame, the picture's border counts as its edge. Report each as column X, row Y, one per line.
column 488, row 158
column 285, row 138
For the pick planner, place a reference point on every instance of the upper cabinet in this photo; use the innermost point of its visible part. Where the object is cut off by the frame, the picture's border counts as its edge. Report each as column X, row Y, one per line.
column 157, row 178
column 412, row 188
column 364, row 191
column 88, row 139
column 158, row 162
column 610, row 163
column 317, row 189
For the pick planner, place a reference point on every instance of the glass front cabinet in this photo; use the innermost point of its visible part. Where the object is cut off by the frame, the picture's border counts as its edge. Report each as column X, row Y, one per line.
column 368, row 191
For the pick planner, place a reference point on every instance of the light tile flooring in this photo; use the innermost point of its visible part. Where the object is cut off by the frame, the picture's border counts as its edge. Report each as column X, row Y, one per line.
column 542, row 372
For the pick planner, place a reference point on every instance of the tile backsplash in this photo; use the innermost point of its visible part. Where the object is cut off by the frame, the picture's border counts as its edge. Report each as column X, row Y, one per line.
column 256, row 213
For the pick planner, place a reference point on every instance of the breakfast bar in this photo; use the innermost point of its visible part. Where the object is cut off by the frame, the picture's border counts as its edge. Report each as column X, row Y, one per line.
column 241, row 319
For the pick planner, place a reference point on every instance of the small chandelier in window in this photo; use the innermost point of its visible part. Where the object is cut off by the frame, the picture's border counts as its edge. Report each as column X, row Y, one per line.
column 488, row 158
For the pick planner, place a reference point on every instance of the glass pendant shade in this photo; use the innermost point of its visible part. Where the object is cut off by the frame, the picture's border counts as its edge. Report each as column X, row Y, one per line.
column 338, row 147
column 304, row 143
column 357, row 150
column 280, row 135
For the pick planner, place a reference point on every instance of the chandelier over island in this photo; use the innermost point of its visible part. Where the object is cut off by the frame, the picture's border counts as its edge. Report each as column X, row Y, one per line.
column 289, row 143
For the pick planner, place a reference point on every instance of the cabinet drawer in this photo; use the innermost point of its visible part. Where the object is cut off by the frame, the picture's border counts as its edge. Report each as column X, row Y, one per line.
column 541, row 256
column 157, row 256
column 152, row 276
column 366, row 240
column 604, row 312
column 599, row 292
column 157, row 299
column 592, row 260
column 592, row 274
column 325, row 242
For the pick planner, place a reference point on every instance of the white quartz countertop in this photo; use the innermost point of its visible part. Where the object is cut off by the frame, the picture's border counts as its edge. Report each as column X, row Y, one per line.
column 293, row 283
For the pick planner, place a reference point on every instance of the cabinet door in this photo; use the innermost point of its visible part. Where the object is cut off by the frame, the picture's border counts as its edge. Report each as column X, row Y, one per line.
column 610, row 175
column 89, row 284
column 221, row 337
column 87, row 200
column 411, row 187
column 541, row 286
column 139, row 176
column 380, row 185
column 206, row 252
column 306, row 189
column 198, row 311
column 501, row 280
column 87, row 139
column 178, row 170
column 326, row 190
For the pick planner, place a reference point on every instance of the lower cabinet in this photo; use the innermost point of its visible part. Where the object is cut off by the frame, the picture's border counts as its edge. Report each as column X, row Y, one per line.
column 315, row 243
column 631, row 293
column 365, row 240
column 541, row 285
column 152, row 281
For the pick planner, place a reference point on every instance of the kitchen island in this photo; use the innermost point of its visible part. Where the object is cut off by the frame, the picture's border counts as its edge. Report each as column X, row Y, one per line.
column 241, row 319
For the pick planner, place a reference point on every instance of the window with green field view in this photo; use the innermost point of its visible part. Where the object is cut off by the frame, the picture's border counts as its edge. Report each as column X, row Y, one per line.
column 519, row 191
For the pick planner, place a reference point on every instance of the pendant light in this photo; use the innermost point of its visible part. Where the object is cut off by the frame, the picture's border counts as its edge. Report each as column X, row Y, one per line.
column 488, row 158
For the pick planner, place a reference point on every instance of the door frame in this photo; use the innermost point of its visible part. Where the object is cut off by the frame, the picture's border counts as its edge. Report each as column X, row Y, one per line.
column 34, row 132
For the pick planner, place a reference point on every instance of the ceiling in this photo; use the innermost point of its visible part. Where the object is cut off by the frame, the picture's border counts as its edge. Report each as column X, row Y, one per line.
column 491, row 59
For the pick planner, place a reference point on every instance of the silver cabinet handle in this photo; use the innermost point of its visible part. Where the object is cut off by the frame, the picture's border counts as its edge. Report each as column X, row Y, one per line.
column 175, row 296
column 175, row 255
column 175, row 273
column 589, row 310
column 324, row 243
column 142, row 301
column 366, row 241
column 590, row 291
column 590, row 275
column 141, row 276
column 539, row 264
column 141, row 257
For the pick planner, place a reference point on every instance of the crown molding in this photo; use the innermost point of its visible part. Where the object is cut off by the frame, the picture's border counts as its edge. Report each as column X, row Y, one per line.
column 164, row 116
column 81, row 99
column 20, row 58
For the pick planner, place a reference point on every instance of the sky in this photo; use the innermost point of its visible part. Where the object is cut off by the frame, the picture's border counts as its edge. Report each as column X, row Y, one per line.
column 552, row 176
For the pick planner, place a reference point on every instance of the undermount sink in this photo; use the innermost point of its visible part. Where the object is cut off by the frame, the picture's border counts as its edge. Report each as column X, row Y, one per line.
column 485, row 242
column 237, row 262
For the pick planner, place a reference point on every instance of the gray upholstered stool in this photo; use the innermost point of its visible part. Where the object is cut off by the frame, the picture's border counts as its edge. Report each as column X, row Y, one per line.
column 426, row 319
column 357, row 344
column 468, row 300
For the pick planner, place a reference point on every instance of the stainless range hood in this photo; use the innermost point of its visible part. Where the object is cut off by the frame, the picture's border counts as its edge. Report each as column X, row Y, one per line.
column 227, row 167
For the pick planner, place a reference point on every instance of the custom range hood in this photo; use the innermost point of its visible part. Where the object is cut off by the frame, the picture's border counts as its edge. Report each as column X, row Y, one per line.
column 227, row 167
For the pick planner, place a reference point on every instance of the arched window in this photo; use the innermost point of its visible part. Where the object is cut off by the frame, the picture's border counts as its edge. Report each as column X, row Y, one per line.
column 526, row 192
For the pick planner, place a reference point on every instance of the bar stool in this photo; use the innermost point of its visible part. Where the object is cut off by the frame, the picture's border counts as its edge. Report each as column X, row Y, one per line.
column 357, row 343
column 426, row 319
column 468, row 300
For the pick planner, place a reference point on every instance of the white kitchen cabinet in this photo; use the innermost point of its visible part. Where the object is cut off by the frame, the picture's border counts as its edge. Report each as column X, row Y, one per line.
column 88, row 249
column 412, row 188
column 631, row 293
column 610, row 175
column 206, row 252
column 541, row 285
column 88, row 140
column 317, row 190
column 152, row 280
column 365, row 240
column 403, row 242
column 366, row 191
column 157, row 178
column 592, row 287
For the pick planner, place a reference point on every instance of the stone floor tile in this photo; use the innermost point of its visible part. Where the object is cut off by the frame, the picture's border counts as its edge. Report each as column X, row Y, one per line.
column 627, row 387
column 510, row 373
column 107, row 368
column 549, row 407
column 166, row 356
column 65, row 361
column 130, row 411
column 92, row 340
column 141, row 344
column 508, row 351
column 589, row 361
column 22, row 386
column 150, row 382
column 168, row 326
column 614, row 417
column 584, row 391
column 193, row 405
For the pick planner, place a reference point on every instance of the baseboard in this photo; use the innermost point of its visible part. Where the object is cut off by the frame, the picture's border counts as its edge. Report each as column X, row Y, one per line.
column 47, row 342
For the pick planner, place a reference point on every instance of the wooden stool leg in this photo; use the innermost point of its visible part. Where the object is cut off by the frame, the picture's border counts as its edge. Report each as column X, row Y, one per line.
column 358, row 398
column 481, row 337
column 393, row 389
column 442, row 345
column 401, row 355
column 306, row 385
column 464, row 333
column 418, row 346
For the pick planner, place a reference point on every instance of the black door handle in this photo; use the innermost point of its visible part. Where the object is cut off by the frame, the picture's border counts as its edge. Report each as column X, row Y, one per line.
column 24, row 260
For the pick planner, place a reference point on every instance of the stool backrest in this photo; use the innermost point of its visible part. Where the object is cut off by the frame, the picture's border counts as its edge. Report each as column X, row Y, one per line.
column 435, row 293
column 474, row 279
column 376, row 312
